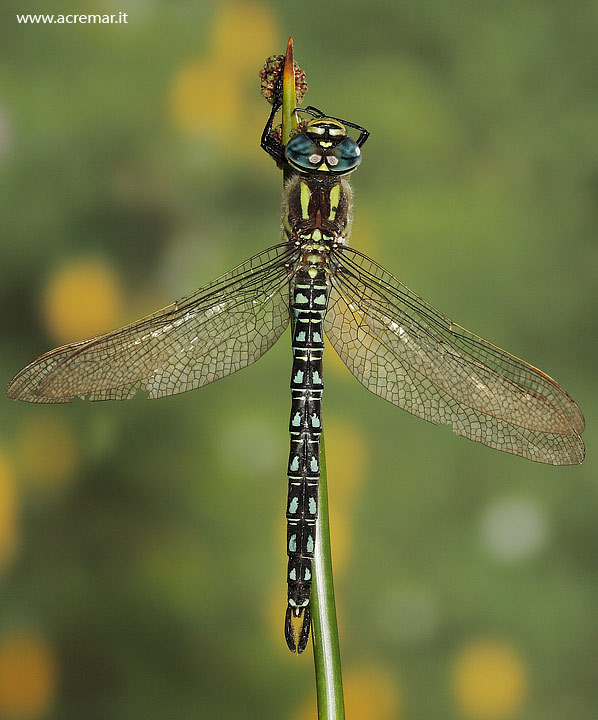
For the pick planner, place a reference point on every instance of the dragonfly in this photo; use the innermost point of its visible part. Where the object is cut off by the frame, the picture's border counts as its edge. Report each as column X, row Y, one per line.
column 395, row 343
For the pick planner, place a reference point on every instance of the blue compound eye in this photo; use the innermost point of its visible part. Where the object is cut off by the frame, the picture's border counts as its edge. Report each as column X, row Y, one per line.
column 345, row 157
column 303, row 154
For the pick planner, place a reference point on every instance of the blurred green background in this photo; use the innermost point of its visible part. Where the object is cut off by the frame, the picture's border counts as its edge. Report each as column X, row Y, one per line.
column 142, row 563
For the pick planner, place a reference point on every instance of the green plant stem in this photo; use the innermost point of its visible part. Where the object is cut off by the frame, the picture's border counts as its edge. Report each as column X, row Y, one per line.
column 327, row 654
column 324, row 629
column 289, row 118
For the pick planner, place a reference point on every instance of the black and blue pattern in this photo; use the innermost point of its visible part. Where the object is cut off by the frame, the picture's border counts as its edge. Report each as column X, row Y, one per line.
column 309, row 298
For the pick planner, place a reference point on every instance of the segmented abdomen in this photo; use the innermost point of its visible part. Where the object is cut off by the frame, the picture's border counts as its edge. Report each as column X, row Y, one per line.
column 309, row 297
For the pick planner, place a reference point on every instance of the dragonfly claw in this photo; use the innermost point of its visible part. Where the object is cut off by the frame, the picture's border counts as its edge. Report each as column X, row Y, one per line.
column 295, row 644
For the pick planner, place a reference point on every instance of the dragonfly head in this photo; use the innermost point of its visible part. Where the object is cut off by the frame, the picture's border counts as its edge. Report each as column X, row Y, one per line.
column 323, row 147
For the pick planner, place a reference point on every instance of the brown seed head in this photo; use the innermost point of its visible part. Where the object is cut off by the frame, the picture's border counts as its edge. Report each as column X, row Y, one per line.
column 271, row 72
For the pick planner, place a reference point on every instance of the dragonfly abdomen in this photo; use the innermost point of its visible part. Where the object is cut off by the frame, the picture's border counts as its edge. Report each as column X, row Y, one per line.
column 309, row 298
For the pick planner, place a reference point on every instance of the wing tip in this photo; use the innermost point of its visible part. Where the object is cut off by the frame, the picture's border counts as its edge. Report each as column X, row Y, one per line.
column 17, row 389
column 26, row 389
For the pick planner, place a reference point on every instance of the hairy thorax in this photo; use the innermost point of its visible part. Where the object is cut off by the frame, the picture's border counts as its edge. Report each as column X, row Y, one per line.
column 317, row 214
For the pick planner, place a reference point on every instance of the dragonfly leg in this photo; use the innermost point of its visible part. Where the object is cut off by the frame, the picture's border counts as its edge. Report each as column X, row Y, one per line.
column 363, row 133
column 273, row 147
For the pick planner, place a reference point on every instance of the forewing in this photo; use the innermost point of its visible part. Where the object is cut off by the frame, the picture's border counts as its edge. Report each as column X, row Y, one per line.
column 404, row 350
column 213, row 332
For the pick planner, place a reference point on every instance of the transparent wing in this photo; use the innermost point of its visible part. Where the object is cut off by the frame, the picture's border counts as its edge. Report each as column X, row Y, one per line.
column 407, row 352
column 213, row 332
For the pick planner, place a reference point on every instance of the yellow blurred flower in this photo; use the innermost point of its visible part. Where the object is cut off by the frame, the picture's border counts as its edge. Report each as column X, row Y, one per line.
column 365, row 235
column 206, row 97
column 371, row 693
column 83, row 298
column 208, row 94
column 47, row 450
column 275, row 610
column 27, row 677
column 244, row 34
column 345, row 463
column 345, row 458
column 8, row 512
column 333, row 365
column 490, row 680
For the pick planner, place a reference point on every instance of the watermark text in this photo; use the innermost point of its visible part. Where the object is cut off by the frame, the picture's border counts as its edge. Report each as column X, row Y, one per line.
column 73, row 19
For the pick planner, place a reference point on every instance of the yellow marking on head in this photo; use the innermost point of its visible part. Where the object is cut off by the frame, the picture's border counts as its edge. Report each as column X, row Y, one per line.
column 335, row 194
column 305, row 197
column 321, row 124
column 316, row 235
column 323, row 166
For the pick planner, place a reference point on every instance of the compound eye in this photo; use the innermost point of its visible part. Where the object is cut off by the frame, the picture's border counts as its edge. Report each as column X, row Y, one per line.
column 345, row 157
column 302, row 153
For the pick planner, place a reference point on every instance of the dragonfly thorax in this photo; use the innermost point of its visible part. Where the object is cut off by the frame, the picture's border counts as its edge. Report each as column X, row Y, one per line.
column 317, row 212
column 316, row 239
